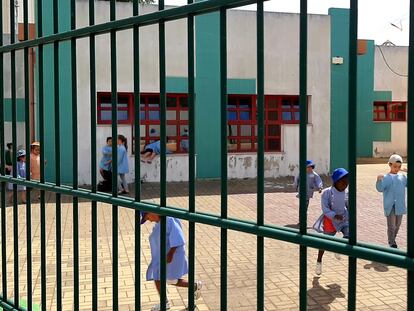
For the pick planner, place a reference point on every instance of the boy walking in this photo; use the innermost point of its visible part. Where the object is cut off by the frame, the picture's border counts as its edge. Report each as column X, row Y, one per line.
column 393, row 185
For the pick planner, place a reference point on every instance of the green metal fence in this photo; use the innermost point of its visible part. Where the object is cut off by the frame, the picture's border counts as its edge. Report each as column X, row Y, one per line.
column 352, row 247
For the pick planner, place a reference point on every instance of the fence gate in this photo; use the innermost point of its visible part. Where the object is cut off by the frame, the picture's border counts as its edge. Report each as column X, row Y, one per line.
column 351, row 247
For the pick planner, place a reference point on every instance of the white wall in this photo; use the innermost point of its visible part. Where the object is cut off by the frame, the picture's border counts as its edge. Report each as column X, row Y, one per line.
column 281, row 77
column 386, row 80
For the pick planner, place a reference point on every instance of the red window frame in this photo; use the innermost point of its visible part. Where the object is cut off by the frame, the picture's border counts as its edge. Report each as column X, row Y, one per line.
column 177, row 115
column 180, row 122
column 238, row 123
column 279, row 110
column 390, row 111
column 103, row 101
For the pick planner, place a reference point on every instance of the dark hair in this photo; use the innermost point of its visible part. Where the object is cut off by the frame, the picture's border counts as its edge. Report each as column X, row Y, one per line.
column 108, row 138
column 124, row 140
column 9, row 145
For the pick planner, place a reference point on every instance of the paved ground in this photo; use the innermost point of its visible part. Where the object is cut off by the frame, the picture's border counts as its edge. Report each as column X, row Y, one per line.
column 379, row 287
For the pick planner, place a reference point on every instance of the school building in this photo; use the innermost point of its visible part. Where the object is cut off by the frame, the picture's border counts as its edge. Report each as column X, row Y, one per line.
column 381, row 93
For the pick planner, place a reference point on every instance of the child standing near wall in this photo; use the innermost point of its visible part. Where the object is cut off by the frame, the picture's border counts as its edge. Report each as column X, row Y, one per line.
column 105, row 166
column 177, row 265
column 313, row 180
column 393, row 185
column 21, row 173
column 35, row 164
column 123, row 167
column 335, row 217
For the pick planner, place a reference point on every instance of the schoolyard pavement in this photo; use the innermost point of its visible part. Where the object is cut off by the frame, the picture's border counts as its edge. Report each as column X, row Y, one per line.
column 379, row 287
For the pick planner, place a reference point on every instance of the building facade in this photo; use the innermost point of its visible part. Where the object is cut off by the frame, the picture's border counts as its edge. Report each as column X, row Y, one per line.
column 381, row 126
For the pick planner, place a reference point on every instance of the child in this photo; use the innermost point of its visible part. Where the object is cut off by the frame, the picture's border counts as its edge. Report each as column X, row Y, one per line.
column 393, row 185
column 21, row 173
column 35, row 164
column 151, row 151
column 105, row 166
column 177, row 265
column 9, row 157
column 313, row 180
column 123, row 167
column 35, row 160
column 335, row 218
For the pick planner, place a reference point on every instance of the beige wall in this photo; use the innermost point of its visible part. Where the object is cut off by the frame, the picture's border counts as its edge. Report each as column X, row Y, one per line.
column 386, row 80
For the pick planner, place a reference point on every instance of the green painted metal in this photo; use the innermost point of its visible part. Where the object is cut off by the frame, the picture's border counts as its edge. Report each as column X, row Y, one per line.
column 75, row 211
column 137, row 161
column 303, row 59
column 41, row 114
column 260, row 153
column 191, row 159
column 14, row 157
column 57, row 149
column 2, row 170
column 223, row 156
column 352, row 151
column 114, row 87
column 27, row 135
column 94, row 207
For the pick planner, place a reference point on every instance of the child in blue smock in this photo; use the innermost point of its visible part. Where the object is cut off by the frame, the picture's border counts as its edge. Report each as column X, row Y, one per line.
column 313, row 181
column 393, row 185
column 177, row 265
column 105, row 164
column 151, row 151
column 334, row 202
column 21, row 173
column 123, row 167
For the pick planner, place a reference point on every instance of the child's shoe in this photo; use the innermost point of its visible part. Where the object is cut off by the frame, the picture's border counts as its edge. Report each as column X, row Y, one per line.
column 318, row 269
column 197, row 292
column 157, row 307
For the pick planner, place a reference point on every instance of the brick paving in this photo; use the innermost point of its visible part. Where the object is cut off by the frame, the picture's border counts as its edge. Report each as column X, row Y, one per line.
column 379, row 287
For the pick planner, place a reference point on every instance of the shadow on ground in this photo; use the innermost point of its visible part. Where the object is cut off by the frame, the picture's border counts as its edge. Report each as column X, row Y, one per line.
column 320, row 298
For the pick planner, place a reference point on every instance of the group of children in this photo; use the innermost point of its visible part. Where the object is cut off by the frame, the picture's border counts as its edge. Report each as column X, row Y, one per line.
column 21, row 169
column 105, row 165
column 334, row 201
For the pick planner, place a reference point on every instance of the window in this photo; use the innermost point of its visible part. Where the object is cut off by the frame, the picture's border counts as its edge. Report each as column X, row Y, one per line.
column 177, row 117
column 241, row 128
column 242, row 120
column 177, row 120
column 390, row 111
column 125, row 108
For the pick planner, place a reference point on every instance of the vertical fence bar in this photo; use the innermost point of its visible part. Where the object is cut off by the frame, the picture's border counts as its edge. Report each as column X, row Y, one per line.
column 74, row 158
column 14, row 153
column 2, row 169
column 92, row 78
column 303, row 59
column 163, row 179
column 410, row 149
column 28, row 149
column 42, row 159
column 223, row 107
column 57, row 159
column 137, row 143
column 114, row 100
column 191, row 158
column 352, row 140
column 260, row 153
